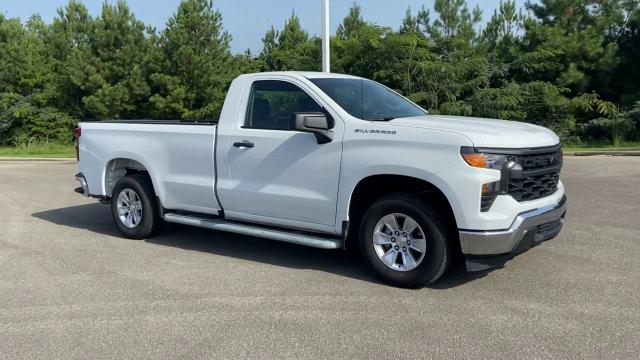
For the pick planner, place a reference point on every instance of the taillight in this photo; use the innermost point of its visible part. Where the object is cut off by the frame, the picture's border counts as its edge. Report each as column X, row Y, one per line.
column 76, row 136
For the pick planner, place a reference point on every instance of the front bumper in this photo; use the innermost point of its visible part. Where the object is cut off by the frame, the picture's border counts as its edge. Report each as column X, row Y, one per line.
column 486, row 249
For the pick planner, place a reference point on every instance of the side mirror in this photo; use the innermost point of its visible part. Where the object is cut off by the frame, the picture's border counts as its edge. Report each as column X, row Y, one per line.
column 316, row 123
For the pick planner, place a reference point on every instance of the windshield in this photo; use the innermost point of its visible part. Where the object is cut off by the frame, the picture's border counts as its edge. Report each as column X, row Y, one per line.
column 367, row 100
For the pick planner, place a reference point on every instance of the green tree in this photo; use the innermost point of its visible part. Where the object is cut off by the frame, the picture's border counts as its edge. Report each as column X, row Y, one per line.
column 351, row 24
column 568, row 45
column 27, row 89
column 452, row 68
column 455, row 24
column 110, row 70
column 570, row 65
column 575, row 44
column 634, row 118
column 291, row 48
column 292, row 35
column 69, row 31
column 357, row 47
column 196, row 64
column 625, row 81
column 410, row 23
column 501, row 41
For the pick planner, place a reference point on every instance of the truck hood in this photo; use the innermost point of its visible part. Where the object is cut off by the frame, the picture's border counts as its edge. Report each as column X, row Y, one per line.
column 485, row 132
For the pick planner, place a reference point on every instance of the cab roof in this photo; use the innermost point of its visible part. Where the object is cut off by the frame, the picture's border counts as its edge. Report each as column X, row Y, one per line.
column 310, row 74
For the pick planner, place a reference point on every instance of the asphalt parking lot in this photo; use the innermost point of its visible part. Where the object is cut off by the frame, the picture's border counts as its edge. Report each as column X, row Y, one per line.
column 70, row 287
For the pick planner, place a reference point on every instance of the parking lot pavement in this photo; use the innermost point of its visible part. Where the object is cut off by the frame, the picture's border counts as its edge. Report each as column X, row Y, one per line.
column 70, row 287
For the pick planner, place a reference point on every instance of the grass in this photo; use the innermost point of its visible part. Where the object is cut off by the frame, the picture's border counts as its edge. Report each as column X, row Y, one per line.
column 46, row 150
column 602, row 146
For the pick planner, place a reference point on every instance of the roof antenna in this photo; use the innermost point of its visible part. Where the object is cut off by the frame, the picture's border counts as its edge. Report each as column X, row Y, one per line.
column 326, row 38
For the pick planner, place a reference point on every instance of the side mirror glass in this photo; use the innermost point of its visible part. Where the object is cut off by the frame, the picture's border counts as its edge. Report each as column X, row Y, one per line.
column 316, row 123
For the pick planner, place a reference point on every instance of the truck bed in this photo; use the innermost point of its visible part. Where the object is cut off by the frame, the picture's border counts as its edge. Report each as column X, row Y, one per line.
column 178, row 154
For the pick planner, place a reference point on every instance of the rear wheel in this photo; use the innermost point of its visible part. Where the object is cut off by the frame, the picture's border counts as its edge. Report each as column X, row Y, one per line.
column 403, row 240
column 133, row 206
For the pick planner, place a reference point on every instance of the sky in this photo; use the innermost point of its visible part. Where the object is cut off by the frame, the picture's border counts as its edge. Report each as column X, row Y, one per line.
column 249, row 20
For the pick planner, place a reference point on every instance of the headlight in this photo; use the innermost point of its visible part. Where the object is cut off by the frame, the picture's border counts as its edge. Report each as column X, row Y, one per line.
column 481, row 160
column 498, row 162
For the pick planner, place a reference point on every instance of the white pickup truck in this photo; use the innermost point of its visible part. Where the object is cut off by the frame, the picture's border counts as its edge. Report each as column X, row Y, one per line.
column 335, row 161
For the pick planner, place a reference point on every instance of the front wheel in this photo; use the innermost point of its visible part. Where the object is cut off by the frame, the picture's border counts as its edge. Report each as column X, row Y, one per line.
column 403, row 240
column 133, row 206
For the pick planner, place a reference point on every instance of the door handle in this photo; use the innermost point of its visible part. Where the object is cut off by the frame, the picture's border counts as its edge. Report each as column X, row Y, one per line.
column 244, row 144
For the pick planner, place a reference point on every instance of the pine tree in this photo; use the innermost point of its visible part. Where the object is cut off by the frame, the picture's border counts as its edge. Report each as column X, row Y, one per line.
column 410, row 23
column 196, row 67
column 290, row 48
column 454, row 21
column 351, row 24
column 70, row 30
column 110, row 71
column 292, row 35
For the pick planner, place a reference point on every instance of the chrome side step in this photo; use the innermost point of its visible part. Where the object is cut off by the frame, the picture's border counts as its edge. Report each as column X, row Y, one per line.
column 317, row 241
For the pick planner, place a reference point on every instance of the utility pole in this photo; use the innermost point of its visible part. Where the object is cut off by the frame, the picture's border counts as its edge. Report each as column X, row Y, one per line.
column 326, row 38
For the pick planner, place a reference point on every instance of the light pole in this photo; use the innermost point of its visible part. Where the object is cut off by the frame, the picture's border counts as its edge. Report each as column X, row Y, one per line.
column 326, row 39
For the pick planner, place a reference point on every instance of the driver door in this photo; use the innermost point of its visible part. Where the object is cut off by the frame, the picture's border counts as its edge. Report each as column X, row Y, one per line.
column 276, row 175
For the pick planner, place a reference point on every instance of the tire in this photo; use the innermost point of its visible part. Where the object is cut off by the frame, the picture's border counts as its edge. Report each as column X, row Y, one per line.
column 138, row 188
column 408, row 267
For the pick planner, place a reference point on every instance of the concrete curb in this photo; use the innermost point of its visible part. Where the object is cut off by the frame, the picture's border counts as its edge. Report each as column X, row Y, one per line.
column 10, row 158
column 603, row 153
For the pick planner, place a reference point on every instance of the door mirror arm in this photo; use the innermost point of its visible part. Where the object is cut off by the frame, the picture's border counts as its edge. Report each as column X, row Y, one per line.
column 316, row 123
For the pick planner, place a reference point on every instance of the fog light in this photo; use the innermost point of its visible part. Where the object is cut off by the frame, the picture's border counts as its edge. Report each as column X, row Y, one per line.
column 489, row 193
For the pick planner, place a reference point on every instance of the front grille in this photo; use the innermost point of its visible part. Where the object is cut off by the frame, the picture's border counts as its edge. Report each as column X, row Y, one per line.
column 539, row 161
column 527, row 174
column 534, row 187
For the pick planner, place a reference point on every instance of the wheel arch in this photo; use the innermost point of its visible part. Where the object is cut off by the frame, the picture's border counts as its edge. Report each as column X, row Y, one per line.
column 373, row 187
column 121, row 166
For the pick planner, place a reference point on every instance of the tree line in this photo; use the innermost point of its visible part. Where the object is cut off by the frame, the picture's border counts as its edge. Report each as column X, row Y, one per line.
column 570, row 65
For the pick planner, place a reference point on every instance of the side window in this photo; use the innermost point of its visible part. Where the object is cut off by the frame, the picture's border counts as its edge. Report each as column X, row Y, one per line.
column 272, row 105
